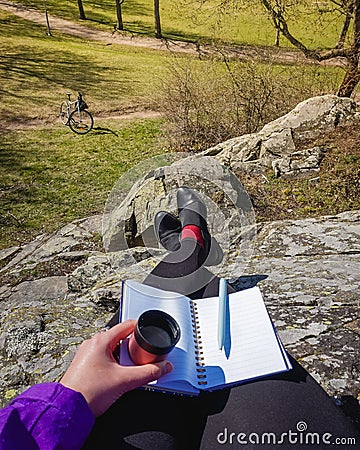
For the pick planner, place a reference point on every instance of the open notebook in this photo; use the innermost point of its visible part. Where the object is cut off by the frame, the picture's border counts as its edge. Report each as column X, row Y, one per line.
column 252, row 348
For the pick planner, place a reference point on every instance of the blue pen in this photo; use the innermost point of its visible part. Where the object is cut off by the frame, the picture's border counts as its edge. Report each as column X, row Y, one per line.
column 222, row 312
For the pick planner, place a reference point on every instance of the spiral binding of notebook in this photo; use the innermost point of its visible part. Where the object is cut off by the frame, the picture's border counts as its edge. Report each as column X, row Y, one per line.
column 200, row 365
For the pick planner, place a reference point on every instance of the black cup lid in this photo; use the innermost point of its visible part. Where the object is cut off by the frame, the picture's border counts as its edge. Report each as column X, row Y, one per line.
column 159, row 319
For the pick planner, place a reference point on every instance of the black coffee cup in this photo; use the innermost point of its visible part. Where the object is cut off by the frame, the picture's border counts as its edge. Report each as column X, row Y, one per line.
column 155, row 334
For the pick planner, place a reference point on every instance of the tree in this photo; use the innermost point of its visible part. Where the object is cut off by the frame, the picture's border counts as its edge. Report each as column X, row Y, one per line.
column 82, row 15
column 47, row 19
column 119, row 24
column 350, row 9
column 158, row 33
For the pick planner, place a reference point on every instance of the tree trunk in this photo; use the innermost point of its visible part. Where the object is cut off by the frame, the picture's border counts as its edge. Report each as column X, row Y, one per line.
column 277, row 37
column 342, row 36
column 157, row 19
column 352, row 75
column 47, row 20
column 356, row 42
column 351, row 78
column 352, row 53
column 81, row 10
column 343, row 33
column 119, row 21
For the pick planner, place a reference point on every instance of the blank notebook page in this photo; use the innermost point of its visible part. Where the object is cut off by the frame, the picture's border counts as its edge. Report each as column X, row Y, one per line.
column 251, row 348
column 146, row 297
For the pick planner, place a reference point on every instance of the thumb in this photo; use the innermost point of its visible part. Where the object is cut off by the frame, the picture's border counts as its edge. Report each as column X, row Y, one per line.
column 140, row 375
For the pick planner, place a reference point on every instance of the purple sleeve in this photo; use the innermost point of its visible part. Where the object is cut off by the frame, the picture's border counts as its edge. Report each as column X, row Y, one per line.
column 46, row 416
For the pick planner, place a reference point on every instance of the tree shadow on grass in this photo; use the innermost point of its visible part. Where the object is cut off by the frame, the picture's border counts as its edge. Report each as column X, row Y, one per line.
column 54, row 69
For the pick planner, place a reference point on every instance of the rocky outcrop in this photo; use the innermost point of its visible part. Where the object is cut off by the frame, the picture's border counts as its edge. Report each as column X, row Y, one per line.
column 308, row 271
column 128, row 219
column 283, row 145
column 62, row 288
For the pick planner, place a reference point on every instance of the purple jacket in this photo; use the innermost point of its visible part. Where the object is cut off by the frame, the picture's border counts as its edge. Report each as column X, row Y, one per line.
column 46, row 416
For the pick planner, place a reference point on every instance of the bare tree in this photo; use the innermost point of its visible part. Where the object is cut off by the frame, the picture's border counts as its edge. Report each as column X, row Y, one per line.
column 351, row 52
column 82, row 15
column 158, row 33
column 119, row 21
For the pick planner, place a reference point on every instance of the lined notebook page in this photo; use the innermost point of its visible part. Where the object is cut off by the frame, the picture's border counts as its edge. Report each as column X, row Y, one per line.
column 251, row 347
column 138, row 298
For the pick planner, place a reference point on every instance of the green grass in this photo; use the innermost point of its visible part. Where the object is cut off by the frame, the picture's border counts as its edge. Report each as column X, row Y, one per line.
column 199, row 21
column 51, row 176
column 37, row 70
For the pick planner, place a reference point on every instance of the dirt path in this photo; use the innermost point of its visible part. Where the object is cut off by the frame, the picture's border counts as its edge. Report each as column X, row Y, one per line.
column 81, row 31
column 44, row 122
column 280, row 55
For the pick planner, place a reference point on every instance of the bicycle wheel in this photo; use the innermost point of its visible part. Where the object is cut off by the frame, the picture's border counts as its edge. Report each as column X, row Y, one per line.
column 64, row 113
column 81, row 122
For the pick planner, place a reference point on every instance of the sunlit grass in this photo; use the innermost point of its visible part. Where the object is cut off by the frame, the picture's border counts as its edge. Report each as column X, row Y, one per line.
column 194, row 20
column 51, row 176
column 37, row 70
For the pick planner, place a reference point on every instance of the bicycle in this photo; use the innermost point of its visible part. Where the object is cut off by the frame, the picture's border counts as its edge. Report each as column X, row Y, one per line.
column 75, row 115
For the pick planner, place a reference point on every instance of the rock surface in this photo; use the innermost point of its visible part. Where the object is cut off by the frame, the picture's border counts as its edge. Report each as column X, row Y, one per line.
column 63, row 287
column 308, row 271
column 129, row 217
column 282, row 145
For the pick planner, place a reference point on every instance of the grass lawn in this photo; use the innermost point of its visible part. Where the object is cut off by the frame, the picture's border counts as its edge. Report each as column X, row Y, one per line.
column 51, row 176
column 249, row 24
column 37, row 70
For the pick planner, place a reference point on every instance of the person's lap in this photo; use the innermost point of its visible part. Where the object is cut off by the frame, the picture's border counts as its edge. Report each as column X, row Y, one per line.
column 278, row 404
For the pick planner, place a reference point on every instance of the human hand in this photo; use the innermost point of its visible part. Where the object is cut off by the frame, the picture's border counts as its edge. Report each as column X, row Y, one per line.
column 98, row 376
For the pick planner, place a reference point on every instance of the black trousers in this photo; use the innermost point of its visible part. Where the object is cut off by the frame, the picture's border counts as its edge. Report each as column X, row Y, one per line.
column 289, row 410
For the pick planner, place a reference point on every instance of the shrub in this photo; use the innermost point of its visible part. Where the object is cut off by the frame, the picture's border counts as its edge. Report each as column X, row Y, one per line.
column 207, row 102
